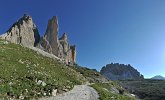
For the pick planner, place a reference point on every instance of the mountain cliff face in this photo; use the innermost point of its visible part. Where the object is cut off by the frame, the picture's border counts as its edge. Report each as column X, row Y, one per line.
column 50, row 41
column 57, row 46
column 25, row 32
column 120, row 72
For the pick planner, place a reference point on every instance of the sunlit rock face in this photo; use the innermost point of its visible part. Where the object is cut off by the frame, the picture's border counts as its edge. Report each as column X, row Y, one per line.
column 57, row 46
column 69, row 52
column 120, row 72
column 23, row 32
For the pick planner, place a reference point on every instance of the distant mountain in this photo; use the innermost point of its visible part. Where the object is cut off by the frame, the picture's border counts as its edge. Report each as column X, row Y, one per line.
column 158, row 77
column 116, row 71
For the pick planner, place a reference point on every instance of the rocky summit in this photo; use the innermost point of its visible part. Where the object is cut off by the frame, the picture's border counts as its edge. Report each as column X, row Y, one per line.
column 57, row 46
column 25, row 32
column 116, row 71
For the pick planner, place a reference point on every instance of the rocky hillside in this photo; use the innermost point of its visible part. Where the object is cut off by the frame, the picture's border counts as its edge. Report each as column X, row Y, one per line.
column 25, row 32
column 24, row 73
column 118, row 71
column 27, row 74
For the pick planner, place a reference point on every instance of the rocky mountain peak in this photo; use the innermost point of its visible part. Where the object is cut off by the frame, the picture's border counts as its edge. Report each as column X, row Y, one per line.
column 23, row 32
column 116, row 71
column 26, row 17
column 51, row 43
column 64, row 37
column 55, row 19
column 52, row 25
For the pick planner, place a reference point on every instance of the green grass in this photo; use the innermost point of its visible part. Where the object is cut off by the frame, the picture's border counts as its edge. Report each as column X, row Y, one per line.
column 146, row 89
column 90, row 74
column 106, row 93
column 21, row 69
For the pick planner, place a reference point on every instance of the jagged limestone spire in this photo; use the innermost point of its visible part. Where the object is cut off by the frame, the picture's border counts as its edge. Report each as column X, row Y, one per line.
column 51, row 35
column 23, row 32
column 64, row 37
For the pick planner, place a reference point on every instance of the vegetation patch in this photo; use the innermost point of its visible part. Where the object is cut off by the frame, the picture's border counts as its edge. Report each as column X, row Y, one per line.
column 146, row 89
column 90, row 74
column 24, row 74
column 111, row 91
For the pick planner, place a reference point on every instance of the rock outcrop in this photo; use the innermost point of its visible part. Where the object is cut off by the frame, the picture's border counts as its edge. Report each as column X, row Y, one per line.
column 60, row 47
column 120, row 72
column 50, row 42
column 23, row 32
column 73, row 55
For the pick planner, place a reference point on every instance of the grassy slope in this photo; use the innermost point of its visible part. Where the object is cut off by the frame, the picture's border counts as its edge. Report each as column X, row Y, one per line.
column 103, row 86
column 90, row 74
column 22, row 68
column 146, row 89
column 106, row 93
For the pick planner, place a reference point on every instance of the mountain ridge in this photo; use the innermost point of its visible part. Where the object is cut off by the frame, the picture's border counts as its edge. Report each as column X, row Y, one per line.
column 25, row 32
column 116, row 71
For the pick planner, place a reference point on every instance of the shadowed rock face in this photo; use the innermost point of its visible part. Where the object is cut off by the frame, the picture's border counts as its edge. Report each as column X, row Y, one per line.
column 57, row 46
column 120, row 72
column 23, row 32
column 51, row 36
column 73, row 49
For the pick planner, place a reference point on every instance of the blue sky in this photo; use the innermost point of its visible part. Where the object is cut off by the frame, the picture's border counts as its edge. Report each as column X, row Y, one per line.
column 105, row 31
